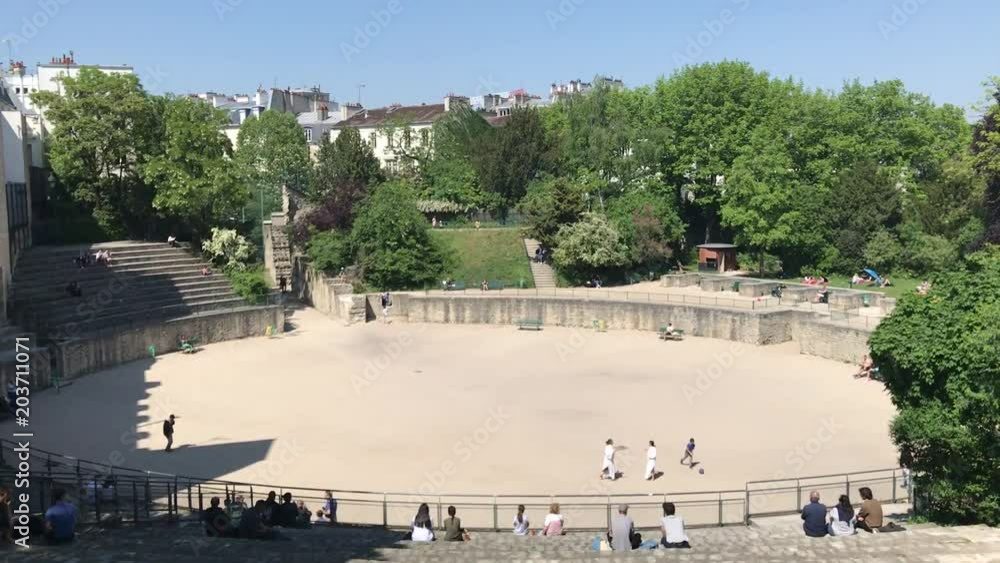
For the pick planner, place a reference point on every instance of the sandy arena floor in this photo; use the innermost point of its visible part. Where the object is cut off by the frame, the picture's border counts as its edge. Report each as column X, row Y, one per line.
column 477, row 409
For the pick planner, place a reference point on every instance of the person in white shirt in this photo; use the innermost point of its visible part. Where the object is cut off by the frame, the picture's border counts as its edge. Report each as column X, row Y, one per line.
column 670, row 329
column 672, row 528
column 840, row 519
column 520, row 522
column 608, row 463
column 423, row 529
column 553, row 525
column 651, row 461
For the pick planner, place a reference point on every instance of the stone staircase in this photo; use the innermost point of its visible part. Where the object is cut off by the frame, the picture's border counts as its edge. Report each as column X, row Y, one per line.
column 282, row 249
column 145, row 281
column 544, row 275
column 186, row 542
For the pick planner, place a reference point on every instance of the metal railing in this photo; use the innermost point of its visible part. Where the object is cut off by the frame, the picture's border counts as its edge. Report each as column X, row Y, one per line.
column 586, row 294
column 136, row 495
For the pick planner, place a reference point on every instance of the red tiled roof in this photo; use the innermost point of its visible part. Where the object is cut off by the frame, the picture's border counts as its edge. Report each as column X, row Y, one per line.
column 406, row 114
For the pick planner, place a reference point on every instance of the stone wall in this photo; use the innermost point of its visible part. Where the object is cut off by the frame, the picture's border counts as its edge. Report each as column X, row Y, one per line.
column 814, row 333
column 328, row 296
column 121, row 344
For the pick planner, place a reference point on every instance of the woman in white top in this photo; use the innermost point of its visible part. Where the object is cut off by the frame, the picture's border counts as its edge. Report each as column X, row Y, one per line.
column 423, row 530
column 840, row 519
column 651, row 461
column 672, row 528
column 520, row 522
column 608, row 463
column 553, row 525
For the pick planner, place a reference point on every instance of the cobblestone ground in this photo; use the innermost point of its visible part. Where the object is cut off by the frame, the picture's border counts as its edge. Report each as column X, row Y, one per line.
column 785, row 543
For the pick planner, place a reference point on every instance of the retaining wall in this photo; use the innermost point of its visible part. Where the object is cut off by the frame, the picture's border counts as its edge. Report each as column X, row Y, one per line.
column 814, row 334
column 118, row 345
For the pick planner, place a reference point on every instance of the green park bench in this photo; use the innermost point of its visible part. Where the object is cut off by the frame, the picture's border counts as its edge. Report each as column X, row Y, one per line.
column 600, row 325
column 529, row 324
column 457, row 285
column 633, row 278
column 495, row 285
column 664, row 334
column 187, row 346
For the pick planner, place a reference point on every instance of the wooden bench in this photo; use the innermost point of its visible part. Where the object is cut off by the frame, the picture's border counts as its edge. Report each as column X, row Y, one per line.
column 529, row 324
column 678, row 334
column 187, row 346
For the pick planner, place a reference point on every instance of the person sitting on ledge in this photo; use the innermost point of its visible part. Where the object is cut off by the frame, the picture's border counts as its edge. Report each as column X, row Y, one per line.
column 814, row 517
column 841, row 518
column 423, row 529
column 206, row 271
column 60, row 519
column 172, row 241
column 553, row 525
column 521, row 523
column 672, row 528
column 251, row 525
column 453, row 530
column 870, row 516
column 216, row 520
column 867, row 365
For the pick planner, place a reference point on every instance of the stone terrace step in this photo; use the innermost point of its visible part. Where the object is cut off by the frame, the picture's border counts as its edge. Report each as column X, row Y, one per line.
column 60, row 312
column 185, row 543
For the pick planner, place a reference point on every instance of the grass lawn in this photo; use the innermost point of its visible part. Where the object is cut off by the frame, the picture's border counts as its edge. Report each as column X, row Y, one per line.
column 900, row 285
column 492, row 254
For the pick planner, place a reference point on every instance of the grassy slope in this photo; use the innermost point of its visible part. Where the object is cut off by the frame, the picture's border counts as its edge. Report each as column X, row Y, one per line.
column 493, row 254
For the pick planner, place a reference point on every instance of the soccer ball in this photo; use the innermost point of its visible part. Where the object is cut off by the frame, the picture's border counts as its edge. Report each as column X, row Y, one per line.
column 701, row 471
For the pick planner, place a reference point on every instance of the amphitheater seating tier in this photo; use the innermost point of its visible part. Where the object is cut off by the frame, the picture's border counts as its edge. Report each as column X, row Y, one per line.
column 786, row 543
column 146, row 281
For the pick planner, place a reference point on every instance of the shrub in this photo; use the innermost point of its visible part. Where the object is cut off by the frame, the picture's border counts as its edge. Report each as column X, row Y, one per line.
column 590, row 246
column 330, row 251
column 252, row 285
column 227, row 249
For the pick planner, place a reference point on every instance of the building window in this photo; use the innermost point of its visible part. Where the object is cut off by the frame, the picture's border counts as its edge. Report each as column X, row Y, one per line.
column 425, row 137
column 373, row 139
column 388, row 140
column 407, row 137
column 309, row 134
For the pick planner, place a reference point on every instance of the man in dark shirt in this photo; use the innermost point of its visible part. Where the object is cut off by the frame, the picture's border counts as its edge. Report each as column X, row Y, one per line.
column 168, row 431
column 286, row 513
column 814, row 517
column 216, row 520
column 270, row 511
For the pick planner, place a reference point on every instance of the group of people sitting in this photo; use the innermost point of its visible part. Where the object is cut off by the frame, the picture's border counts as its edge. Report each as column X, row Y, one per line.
column 542, row 254
column 819, row 521
column 621, row 536
column 99, row 258
column 867, row 368
column 237, row 520
column 864, row 278
column 57, row 525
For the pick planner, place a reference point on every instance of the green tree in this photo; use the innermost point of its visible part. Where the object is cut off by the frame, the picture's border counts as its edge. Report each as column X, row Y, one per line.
column 650, row 226
column 512, row 158
column 549, row 205
column 938, row 356
column 345, row 161
column 986, row 151
column 329, row 250
column 105, row 130
column 391, row 241
column 272, row 153
column 864, row 200
column 194, row 177
column 589, row 247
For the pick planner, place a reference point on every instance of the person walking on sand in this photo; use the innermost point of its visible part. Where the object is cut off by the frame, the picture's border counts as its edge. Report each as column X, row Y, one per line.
column 651, row 461
column 608, row 465
column 168, row 431
column 689, row 453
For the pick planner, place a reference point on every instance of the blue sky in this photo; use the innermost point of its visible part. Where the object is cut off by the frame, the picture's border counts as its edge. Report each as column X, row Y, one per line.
column 428, row 48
